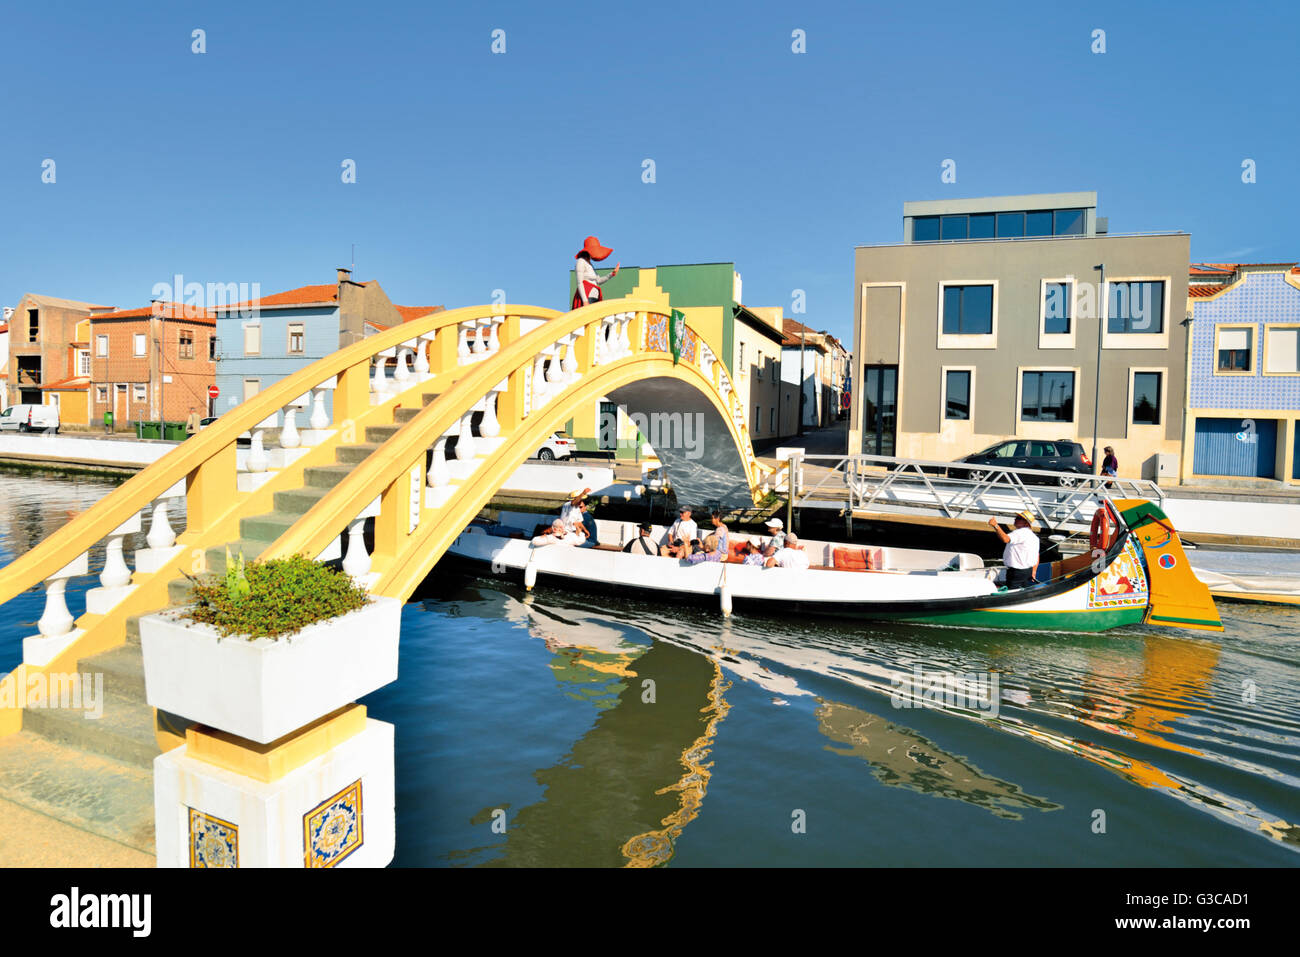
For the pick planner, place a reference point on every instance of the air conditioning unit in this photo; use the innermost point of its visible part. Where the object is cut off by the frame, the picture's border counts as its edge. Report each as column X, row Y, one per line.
column 1166, row 468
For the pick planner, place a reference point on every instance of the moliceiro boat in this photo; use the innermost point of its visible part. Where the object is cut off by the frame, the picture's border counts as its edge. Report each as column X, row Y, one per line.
column 1135, row 572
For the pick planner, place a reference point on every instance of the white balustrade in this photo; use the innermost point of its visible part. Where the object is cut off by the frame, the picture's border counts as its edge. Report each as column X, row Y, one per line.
column 539, row 382
column 570, row 364
column 494, row 343
column 379, row 382
column 421, row 368
column 554, row 375
column 465, row 437
column 161, row 534
column 356, row 562
column 258, row 460
column 56, row 620
column 320, row 419
column 489, row 427
column 289, row 438
column 402, row 374
column 115, row 572
column 462, row 344
column 439, row 475
column 479, row 346
column 624, row 343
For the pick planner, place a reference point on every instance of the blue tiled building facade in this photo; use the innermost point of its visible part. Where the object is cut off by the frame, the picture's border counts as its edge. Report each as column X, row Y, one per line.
column 1244, row 373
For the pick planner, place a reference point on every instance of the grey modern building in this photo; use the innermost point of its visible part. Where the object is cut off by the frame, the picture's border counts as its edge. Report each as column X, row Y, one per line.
column 982, row 326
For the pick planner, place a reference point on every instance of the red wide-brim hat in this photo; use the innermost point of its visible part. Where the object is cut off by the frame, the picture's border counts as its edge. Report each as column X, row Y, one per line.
column 592, row 247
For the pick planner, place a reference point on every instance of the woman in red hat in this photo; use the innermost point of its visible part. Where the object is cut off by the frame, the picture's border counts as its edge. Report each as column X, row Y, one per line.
column 589, row 282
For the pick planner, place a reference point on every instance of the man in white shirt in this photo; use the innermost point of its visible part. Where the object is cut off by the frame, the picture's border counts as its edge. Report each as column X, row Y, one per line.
column 557, row 534
column 1020, row 556
column 791, row 555
column 777, row 539
column 682, row 530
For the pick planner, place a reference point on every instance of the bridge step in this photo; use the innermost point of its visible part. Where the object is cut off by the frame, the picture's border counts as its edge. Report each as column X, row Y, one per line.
column 122, row 668
column 355, row 454
column 124, row 731
column 85, row 790
column 326, row 476
column 178, row 592
column 381, row 433
column 298, row 501
column 266, row 527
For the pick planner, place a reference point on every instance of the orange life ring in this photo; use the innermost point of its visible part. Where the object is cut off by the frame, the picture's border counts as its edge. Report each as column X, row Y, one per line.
column 1103, row 530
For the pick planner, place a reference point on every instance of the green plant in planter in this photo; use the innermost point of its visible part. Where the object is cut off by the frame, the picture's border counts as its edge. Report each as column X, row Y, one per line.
column 274, row 598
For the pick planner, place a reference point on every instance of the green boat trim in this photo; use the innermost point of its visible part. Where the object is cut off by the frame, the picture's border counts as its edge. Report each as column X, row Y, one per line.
column 1099, row 619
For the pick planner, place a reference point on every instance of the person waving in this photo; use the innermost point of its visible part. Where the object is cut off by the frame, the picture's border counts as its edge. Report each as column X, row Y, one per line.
column 589, row 282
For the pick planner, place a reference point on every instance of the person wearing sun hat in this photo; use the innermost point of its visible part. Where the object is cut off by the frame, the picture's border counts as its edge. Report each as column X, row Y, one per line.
column 589, row 282
column 1020, row 556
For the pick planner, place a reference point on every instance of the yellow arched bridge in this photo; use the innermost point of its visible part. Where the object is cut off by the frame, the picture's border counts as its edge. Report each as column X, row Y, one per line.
column 499, row 379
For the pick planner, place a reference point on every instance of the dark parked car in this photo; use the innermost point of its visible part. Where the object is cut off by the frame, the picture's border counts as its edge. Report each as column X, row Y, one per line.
column 1064, row 455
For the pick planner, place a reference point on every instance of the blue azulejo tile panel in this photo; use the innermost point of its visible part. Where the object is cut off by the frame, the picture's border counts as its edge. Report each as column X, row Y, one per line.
column 333, row 829
column 1260, row 298
column 213, row 842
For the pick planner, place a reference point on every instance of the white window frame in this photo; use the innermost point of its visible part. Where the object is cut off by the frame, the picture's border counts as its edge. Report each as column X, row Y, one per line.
column 1164, row 404
column 301, row 327
column 1269, row 327
column 979, row 341
column 83, row 362
column 101, row 346
column 139, row 392
column 944, row 421
column 253, row 327
column 1030, row 428
column 1252, row 329
column 139, row 344
column 101, row 394
column 1057, row 340
column 1135, row 340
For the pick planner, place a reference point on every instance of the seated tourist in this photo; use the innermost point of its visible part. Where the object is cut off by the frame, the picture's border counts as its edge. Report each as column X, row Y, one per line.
column 557, row 534
column 791, row 555
column 754, row 555
column 720, row 530
column 706, row 551
column 776, row 537
column 585, row 523
column 642, row 544
column 569, row 512
column 683, row 529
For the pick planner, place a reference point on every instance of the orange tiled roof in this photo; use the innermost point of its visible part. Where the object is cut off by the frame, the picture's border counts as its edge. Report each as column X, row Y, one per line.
column 1203, row 290
column 301, row 296
column 170, row 310
column 415, row 312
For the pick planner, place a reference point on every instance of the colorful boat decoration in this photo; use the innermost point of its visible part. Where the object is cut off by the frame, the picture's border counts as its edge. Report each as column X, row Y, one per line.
column 1134, row 573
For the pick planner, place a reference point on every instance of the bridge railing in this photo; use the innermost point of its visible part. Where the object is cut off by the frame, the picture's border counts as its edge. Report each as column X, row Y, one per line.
column 206, row 468
column 958, row 489
column 510, row 395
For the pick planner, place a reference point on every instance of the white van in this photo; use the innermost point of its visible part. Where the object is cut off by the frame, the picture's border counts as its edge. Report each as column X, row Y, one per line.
column 29, row 418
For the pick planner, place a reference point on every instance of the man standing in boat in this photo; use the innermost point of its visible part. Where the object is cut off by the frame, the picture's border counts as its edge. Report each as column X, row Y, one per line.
column 1020, row 556
column 589, row 282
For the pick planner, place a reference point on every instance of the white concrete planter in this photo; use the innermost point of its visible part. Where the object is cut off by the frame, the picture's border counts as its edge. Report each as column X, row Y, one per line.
column 264, row 689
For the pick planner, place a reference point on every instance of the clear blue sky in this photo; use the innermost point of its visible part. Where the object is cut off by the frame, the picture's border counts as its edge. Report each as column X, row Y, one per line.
column 478, row 171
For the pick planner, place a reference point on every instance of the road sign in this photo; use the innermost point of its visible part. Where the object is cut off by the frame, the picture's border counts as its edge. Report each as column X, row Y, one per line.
column 213, row 392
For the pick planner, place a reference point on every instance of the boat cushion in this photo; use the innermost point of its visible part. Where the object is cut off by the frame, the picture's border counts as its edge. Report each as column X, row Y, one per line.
column 857, row 558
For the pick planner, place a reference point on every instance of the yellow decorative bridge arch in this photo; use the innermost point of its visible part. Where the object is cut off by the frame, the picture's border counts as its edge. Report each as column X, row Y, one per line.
column 498, row 378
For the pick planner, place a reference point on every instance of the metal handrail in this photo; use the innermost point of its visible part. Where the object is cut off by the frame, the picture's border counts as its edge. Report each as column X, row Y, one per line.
column 867, row 479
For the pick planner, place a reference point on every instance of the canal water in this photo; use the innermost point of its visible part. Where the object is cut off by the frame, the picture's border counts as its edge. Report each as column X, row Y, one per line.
column 564, row 729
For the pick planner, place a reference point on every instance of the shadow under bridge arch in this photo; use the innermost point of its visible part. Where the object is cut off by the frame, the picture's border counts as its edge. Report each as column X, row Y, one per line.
column 691, row 438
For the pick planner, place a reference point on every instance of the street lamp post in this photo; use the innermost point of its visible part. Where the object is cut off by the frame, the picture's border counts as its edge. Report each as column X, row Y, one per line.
column 803, row 330
column 1102, row 310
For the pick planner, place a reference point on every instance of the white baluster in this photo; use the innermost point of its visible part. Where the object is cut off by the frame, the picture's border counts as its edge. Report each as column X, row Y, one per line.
column 289, row 437
column 554, row 376
column 598, row 347
column 320, row 419
column 379, row 384
column 422, row 359
column 439, row 474
column 480, row 343
column 56, row 619
column 115, row 573
column 493, row 343
column 402, row 374
column 624, row 340
column 465, row 437
column 257, row 458
column 570, row 364
column 161, row 534
column 490, row 427
column 539, row 382
column 357, row 560
column 462, row 345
